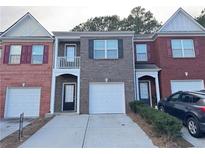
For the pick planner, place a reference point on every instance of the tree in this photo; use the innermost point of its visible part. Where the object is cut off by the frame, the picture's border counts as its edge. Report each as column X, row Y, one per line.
column 139, row 20
column 201, row 18
column 104, row 23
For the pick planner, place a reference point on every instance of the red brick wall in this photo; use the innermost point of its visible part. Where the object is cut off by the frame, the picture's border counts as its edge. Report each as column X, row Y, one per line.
column 152, row 56
column 30, row 74
column 174, row 69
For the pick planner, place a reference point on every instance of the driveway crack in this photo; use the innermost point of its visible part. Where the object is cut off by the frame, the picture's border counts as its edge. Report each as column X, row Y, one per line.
column 85, row 132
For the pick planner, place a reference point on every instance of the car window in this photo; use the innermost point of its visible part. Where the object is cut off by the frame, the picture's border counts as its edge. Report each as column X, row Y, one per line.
column 186, row 98
column 174, row 97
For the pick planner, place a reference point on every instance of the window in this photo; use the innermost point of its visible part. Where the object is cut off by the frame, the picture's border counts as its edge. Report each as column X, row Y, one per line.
column 70, row 53
column 141, row 52
column 174, row 97
column 37, row 54
column 189, row 98
column 183, row 48
column 105, row 49
column 15, row 54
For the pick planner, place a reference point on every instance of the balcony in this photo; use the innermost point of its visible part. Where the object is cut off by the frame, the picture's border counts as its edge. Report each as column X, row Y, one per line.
column 64, row 63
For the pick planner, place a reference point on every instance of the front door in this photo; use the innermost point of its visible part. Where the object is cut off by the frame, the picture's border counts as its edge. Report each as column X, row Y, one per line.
column 144, row 92
column 69, row 97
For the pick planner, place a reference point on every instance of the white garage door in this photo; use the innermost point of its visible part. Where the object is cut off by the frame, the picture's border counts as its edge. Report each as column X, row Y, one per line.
column 186, row 85
column 106, row 98
column 20, row 100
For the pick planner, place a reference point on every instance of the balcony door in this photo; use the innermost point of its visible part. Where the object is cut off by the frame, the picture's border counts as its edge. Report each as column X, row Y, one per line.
column 70, row 52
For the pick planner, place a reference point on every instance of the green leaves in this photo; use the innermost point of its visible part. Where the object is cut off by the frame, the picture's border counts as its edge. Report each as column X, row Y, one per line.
column 201, row 18
column 139, row 20
column 163, row 123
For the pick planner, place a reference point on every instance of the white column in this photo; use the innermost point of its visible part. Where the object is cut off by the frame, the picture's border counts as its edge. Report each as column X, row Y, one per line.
column 78, row 94
column 137, row 88
column 56, row 53
column 157, row 88
column 53, row 87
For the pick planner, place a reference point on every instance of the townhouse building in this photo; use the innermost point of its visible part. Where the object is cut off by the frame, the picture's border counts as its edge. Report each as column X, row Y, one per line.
column 97, row 72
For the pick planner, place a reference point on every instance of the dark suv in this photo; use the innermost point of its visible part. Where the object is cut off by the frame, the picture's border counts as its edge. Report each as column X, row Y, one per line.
column 189, row 107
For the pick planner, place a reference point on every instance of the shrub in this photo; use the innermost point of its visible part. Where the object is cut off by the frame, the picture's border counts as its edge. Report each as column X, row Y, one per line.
column 162, row 122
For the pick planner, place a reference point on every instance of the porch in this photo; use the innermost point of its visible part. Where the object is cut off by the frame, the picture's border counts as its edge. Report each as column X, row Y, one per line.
column 147, row 84
column 67, row 53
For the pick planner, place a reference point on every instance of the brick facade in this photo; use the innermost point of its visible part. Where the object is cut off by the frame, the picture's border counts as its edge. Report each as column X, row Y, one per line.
column 175, row 68
column 39, row 75
column 119, row 70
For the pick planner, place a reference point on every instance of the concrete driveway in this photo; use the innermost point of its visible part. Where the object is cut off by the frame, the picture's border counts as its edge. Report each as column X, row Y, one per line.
column 90, row 131
column 196, row 142
column 9, row 126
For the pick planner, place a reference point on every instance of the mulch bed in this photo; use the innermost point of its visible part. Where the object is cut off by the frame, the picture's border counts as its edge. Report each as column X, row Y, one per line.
column 159, row 140
column 12, row 141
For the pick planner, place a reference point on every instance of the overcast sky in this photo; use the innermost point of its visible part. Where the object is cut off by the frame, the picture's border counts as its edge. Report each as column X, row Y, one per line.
column 73, row 12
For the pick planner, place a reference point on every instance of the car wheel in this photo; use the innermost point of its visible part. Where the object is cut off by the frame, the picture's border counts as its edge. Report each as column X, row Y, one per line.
column 161, row 108
column 193, row 127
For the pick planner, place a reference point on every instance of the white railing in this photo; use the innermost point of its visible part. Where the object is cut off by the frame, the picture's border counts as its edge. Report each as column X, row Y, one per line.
column 63, row 63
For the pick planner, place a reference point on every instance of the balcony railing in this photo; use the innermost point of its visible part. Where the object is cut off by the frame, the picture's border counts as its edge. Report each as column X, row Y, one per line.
column 64, row 63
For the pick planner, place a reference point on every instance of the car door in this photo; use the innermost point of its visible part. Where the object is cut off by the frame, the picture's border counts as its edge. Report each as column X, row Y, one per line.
column 185, row 105
column 170, row 104
column 180, row 107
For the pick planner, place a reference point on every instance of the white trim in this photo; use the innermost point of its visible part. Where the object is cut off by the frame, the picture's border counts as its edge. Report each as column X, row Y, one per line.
column 67, row 37
column 141, row 44
column 171, row 34
column 186, row 14
column 188, row 80
column 133, row 58
column 105, row 49
column 69, row 44
column 153, row 74
column 148, row 70
column 53, row 89
column 19, row 20
column 58, row 72
column 149, row 88
column 106, row 35
column 124, row 106
column 20, row 87
column 62, row 97
column 55, row 52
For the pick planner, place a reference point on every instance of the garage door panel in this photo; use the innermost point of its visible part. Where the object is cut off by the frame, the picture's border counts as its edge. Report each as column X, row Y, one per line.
column 186, row 85
column 20, row 100
column 106, row 98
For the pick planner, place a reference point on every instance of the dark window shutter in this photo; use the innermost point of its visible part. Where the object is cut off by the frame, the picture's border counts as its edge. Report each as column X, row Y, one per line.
column 6, row 54
column 23, row 54
column 148, row 52
column 91, row 49
column 45, row 54
column 120, row 48
column 169, row 48
column 196, row 47
column 28, row 54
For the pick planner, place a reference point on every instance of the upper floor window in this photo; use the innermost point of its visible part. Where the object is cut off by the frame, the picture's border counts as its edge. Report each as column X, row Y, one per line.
column 141, row 52
column 105, row 49
column 37, row 54
column 183, row 48
column 15, row 54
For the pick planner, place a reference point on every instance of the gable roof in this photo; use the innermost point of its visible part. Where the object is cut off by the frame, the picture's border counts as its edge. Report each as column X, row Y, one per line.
column 26, row 27
column 181, row 22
